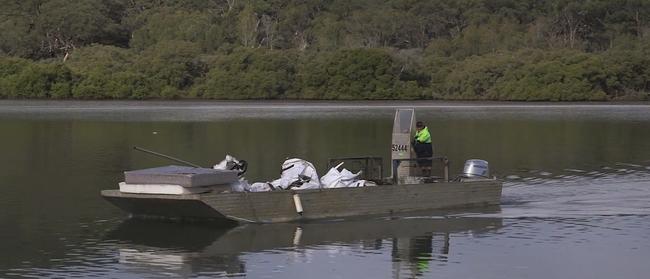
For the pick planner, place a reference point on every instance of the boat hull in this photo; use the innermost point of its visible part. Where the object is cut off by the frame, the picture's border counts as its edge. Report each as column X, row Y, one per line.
column 280, row 206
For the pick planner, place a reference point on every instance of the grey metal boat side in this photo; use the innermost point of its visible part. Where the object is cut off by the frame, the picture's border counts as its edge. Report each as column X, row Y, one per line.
column 174, row 207
column 279, row 206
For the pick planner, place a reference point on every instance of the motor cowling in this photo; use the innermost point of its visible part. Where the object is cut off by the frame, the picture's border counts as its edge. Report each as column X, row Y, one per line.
column 476, row 168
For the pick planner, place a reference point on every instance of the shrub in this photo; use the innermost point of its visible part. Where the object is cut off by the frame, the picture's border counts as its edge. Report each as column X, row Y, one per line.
column 250, row 74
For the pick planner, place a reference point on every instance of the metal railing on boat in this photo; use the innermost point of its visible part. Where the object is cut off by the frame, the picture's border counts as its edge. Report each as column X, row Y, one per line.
column 442, row 159
column 371, row 166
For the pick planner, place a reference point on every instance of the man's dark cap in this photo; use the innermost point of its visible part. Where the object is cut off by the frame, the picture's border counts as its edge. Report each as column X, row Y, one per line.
column 419, row 124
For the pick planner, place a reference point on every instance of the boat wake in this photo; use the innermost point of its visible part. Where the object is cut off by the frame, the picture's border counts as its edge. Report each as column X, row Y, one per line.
column 622, row 189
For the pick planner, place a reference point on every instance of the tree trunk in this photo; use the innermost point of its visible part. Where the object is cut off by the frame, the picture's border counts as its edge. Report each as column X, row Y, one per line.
column 637, row 19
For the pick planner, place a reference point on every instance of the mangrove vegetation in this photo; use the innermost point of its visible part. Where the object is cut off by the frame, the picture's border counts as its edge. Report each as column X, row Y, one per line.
column 528, row 50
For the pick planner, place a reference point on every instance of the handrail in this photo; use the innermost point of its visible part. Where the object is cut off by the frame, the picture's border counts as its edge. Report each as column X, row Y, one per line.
column 356, row 158
column 367, row 160
column 443, row 159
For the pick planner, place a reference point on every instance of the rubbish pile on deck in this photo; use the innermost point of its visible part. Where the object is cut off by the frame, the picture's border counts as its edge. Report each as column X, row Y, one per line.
column 299, row 174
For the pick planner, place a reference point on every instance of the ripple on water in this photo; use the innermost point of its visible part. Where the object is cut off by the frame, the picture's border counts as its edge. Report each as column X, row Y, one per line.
column 439, row 254
column 607, row 192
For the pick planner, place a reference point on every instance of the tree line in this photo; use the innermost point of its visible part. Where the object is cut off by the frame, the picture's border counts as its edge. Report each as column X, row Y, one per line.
column 535, row 50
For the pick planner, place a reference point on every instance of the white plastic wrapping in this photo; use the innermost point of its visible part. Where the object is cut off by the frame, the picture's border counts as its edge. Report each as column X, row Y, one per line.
column 259, row 187
column 240, row 186
column 226, row 163
column 342, row 179
column 297, row 174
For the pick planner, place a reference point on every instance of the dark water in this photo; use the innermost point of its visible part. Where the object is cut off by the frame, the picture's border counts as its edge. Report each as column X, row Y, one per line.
column 576, row 201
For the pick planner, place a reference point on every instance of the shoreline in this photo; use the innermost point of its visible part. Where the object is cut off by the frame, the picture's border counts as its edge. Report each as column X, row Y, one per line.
column 160, row 103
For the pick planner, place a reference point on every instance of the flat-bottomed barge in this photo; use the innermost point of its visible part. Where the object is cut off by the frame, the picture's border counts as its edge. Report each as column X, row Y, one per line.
column 406, row 190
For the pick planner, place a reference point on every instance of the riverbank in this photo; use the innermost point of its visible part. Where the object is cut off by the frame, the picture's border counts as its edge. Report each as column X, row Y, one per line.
column 211, row 110
column 6, row 104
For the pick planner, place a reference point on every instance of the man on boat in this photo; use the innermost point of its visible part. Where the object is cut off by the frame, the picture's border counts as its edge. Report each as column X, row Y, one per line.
column 423, row 148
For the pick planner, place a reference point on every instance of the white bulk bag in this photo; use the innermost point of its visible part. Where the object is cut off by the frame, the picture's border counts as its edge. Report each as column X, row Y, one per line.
column 227, row 163
column 259, row 187
column 296, row 171
column 240, row 185
column 341, row 179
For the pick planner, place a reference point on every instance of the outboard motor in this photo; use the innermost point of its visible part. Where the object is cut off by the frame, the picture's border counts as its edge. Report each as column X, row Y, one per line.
column 476, row 168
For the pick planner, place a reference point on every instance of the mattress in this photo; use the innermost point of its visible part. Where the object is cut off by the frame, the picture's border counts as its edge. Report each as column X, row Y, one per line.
column 161, row 189
column 187, row 177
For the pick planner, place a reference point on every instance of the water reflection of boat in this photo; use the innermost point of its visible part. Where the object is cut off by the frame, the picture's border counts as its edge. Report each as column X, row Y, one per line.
column 185, row 248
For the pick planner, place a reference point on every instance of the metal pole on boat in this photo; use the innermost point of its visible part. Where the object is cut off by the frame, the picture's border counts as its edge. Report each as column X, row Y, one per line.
column 165, row 156
column 298, row 203
column 395, row 165
column 446, row 162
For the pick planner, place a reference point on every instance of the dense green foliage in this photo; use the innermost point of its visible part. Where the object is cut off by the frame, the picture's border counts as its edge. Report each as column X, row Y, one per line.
column 534, row 50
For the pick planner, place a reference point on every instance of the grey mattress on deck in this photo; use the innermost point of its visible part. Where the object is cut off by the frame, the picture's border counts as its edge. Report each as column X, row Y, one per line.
column 180, row 175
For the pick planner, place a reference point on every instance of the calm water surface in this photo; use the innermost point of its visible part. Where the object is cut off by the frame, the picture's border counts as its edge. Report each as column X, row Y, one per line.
column 576, row 200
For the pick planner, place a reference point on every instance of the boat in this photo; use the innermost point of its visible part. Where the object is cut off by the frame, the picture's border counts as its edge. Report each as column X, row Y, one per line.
column 405, row 190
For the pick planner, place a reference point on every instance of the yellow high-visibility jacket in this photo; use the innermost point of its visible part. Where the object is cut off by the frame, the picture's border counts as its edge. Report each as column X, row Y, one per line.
column 423, row 136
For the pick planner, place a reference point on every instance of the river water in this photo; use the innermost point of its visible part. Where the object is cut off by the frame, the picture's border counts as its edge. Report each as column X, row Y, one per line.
column 576, row 198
